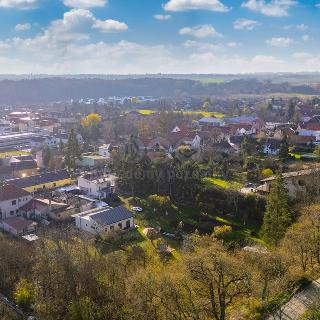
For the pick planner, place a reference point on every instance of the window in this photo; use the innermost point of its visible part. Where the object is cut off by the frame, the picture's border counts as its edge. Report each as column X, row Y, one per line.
column 128, row 224
column 120, row 225
column 11, row 212
column 14, row 202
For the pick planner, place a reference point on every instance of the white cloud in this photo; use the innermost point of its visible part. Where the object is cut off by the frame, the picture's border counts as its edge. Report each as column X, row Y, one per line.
column 301, row 27
column 280, row 42
column 22, row 27
column 162, row 17
column 77, row 23
column 109, row 25
column 233, row 44
column 187, row 5
column 200, row 31
column 273, row 8
column 202, row 46
column 85, row 4
column 245, row 24
column 302, row 55
column 19, row 4
column 305, row 37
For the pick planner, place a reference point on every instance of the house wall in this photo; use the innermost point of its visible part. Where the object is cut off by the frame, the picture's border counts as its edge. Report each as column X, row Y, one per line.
column 90, row 226
column 49, row 185
column 9, row 208
column 104, row 152
column 299, row 186
column 25, row 173
column 92, row 188
column 4, row 226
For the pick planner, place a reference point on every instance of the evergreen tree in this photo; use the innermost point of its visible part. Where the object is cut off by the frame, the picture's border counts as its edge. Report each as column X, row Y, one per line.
column 277, row 217
column 47, row 156
column 73, row 151
column 284, row 148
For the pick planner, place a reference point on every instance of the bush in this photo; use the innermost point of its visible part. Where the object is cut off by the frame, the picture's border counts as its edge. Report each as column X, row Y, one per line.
column 220, row 231
column 266, row 173
column 160, row 201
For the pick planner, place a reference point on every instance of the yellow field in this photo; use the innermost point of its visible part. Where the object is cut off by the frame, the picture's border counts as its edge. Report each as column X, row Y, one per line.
column 13, row 153
column 207, row 114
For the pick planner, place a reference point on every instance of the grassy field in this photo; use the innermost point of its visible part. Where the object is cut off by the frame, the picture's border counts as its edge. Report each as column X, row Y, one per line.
column 146, row 112
column 225, row 184
column 13, row 153
column 207, row 114
column 192, row 219
column 249, row 231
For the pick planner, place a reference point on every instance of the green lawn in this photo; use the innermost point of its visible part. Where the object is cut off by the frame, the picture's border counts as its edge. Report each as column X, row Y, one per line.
column 250, row 231
column 225, row 184
column 193, row 219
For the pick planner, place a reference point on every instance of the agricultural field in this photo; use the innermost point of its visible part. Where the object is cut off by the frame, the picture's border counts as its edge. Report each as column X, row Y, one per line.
column 13, row 153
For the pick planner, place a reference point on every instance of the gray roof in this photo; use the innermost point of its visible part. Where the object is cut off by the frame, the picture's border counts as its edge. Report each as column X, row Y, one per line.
column 46, row 177
column 111, row 216
column 294, row 174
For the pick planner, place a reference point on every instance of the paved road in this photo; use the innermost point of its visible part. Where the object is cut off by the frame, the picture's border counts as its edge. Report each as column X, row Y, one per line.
column 12, row 306
column 299, row 303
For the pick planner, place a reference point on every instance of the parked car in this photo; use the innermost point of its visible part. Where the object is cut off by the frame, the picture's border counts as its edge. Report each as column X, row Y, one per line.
column 137, row 209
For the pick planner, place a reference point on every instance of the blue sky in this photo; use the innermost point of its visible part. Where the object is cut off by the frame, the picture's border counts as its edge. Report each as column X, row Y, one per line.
column 153, row 36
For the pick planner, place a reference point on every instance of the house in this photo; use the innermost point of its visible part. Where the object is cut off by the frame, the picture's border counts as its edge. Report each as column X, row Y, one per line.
column 17, row 225
column 47, row 180
column 93, row 161
column 97, row 186
column 235, row 142
column 12, row 199
column 16, row 140
column 104, row 220
column 5, row 127
column 211, row 121
column 298, row 183
column 302, row 140
column 271, row 146
column 105, row 150
column 23, row 166
column 41, row 208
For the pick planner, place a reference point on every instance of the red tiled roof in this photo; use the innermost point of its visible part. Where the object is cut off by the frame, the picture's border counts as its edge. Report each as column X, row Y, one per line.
column 18, row 223
column 10, row 192
column 33, row 204
column 302, row 139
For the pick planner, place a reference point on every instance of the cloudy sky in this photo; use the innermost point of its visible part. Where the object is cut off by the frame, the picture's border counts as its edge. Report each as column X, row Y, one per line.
column 159, row 36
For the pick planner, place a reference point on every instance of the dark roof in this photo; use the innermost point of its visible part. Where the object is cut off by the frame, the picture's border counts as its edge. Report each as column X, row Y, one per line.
column 23, row 165
column 9, row 192
column 236, row 139
column 39, row 179
column 38, row 139
column 23, row 157
column 110, row 216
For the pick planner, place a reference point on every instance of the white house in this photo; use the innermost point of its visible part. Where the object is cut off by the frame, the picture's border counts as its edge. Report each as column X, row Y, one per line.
column 96, row 186
column 105, row 151
column 11, row 200
column 104, row 220
column 5, row 127
column 17, row 225
column 211, row 121
column 272, row 147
